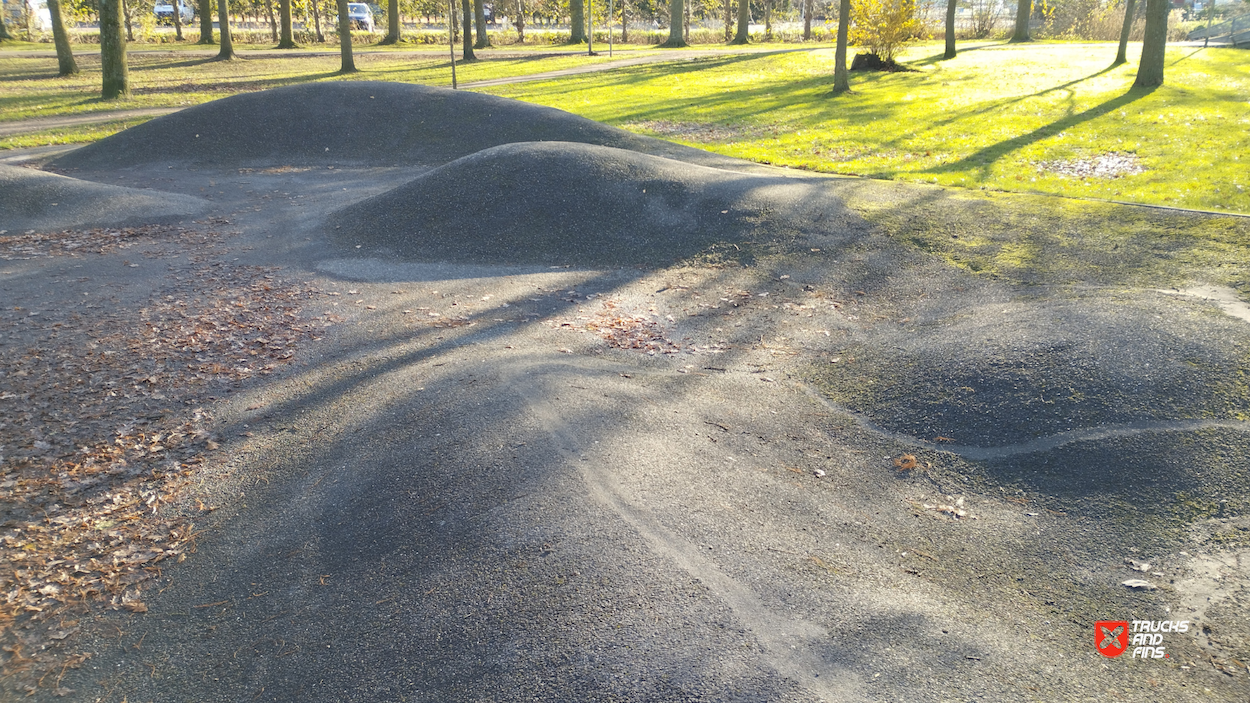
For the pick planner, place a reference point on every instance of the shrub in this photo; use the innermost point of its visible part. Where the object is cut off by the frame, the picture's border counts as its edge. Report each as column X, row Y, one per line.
column 884, row 26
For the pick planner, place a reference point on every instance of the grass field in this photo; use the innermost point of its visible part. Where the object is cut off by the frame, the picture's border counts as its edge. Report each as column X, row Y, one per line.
column 1047, row 117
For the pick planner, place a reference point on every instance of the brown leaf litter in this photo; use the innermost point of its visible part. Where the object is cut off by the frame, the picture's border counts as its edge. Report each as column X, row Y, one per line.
column 101, row 432
column 1112, row 164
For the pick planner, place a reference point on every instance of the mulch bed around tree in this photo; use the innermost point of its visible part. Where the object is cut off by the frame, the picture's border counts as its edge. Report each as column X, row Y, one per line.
column 872, row 62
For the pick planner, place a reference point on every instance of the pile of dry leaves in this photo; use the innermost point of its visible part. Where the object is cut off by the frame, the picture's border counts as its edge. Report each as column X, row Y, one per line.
column 100, row 431
column 1109, row 165
column 623, row 331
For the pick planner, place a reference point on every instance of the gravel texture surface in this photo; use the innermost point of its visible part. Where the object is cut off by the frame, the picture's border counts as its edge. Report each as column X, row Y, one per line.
column 31, row 199
column 561, row 203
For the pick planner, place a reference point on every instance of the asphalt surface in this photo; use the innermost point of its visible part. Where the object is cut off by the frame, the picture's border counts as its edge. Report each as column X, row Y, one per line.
column 630, row 455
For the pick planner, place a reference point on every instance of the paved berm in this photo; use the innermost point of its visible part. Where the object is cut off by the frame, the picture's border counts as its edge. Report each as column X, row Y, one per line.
column 592, row 417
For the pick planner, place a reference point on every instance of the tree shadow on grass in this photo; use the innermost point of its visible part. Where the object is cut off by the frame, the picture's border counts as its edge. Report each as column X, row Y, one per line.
column 980, row 160
column 941, row 56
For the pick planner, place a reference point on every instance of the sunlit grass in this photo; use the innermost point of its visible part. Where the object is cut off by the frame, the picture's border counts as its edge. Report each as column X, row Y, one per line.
column 1000, row 117
column 29, row 87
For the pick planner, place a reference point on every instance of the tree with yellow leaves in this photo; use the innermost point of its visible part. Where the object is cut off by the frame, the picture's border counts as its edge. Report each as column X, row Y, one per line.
column 884, row 26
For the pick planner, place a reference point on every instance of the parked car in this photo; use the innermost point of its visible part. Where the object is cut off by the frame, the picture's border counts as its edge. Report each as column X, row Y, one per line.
column 360, row 16
column 164, row 11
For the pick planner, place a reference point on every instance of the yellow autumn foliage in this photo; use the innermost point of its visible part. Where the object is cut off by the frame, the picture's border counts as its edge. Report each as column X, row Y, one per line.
column 884, row 26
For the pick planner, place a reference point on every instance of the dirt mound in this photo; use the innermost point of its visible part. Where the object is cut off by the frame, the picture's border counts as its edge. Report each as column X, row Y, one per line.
column 558, row 203
column 347, row 123
column 1008, row 375
column 31, row 199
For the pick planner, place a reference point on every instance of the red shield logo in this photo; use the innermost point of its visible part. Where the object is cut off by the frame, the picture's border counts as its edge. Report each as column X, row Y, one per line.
column 1111, row 637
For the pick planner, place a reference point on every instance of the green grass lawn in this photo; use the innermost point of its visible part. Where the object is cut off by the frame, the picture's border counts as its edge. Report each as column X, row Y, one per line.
column 1038, row 117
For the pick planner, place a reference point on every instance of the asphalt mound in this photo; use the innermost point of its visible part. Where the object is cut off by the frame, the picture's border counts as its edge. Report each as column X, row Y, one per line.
column 562, row 203
column 348, row 123
column 1007, row 375
column 31, row 199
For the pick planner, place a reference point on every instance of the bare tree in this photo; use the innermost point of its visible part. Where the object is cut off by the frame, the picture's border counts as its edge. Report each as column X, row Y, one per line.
column 479, row 19
column 177, row 5
column 744, row 23
column 466, row 7
column 841, row 76
column 577, row 21
column 345, row 38
column 286, row 38
column 226, row 53
column 676, row 21
column 1154, row 45
column 1023, row 10
column 950, row 30
column 116, row 74
column 392, row 23
column 1121, row 55
column 130, row 32
column 66, row 66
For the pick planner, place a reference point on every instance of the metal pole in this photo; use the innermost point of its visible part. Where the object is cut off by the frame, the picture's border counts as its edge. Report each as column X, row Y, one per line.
column 451, row 38
column 611, row 9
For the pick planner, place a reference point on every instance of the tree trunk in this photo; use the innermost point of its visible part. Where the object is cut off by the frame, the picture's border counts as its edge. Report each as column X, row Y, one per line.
column 130, row 33
column 206, row 22
column 4, row 30
column 286, row 39
column 1023, row 10
column 1154, row 45
column 345, row 39
column 177, row 19
column 807, row 20
column 316, row 8
column 841, row 78
column 577, row 22
column 676, row 18
column 950, row 30
column 273, row 22
column 116, row 75
column 686, row 23
column 226, row 53
column 744, row 23
column 466, row 7
column 1121, row 55
column 520, row 21
column 729, row 21
column 625, row 21
column 393, row 25
column 768, row 20
column 479, row 19
column 66, row 66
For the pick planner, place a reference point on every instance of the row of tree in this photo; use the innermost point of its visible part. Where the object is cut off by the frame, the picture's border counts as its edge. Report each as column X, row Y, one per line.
column 880, row 25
